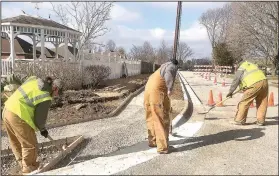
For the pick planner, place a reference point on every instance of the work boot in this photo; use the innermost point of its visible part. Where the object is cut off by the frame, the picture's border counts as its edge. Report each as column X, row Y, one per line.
column 170, row 150
column 259, row 123
column 29, row 169
column 237, row 123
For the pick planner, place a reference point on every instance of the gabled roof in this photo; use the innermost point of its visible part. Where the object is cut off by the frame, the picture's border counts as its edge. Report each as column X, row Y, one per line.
column 26, row 19
column 48, row 52
column 21, row 46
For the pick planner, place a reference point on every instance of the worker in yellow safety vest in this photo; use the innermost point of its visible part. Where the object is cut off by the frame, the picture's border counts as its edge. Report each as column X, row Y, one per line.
column 25, row 112
column 254, row 83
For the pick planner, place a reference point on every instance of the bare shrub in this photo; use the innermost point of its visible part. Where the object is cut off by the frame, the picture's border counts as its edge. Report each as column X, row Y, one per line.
column 94, row 74
column 68, row 72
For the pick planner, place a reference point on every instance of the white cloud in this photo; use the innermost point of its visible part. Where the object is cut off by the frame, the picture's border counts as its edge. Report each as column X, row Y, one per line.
column 119, row 13
column 195, row 36
column 158, row 33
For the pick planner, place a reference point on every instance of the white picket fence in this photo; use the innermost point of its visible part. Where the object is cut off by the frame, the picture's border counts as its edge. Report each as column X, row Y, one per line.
column 6, row 68
column 118, row 67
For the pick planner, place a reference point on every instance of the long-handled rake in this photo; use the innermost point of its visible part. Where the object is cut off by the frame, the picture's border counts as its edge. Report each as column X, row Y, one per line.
column 219, row 103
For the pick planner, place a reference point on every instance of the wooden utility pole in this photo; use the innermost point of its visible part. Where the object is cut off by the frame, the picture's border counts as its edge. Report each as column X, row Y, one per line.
column 177, row 30
column 277, row 31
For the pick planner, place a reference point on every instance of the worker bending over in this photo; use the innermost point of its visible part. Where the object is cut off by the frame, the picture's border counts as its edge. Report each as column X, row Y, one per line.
column 24, row 113
column 157, row 105
column 254, row 83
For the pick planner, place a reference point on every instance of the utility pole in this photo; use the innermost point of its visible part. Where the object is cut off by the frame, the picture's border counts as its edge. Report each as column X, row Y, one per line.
column 177, row 30
column 277, row 59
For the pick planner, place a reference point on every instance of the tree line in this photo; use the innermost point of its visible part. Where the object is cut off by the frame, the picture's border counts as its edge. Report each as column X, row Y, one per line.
column 243, row 30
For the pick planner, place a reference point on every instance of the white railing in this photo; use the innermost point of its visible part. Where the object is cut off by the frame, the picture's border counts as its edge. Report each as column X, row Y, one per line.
column 6, row 67
column 116, row 65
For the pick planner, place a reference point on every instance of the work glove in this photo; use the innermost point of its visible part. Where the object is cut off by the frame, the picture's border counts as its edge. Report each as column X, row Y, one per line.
column 229, row 95
column 44, row 133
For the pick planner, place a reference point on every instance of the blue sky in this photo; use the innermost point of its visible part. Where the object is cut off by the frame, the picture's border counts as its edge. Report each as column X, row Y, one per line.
column 134, row 22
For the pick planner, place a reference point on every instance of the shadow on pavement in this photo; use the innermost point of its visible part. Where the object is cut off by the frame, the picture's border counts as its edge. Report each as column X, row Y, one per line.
column 191, row 142
column 196, row 142
column 221, row 137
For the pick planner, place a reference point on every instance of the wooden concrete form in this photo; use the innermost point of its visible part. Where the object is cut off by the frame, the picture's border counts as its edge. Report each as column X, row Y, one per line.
column 71, row 143
column 61, row 155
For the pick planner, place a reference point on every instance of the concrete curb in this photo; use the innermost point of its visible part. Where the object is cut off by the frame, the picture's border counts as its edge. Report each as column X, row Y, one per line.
column 126, row 102
column 186, row 113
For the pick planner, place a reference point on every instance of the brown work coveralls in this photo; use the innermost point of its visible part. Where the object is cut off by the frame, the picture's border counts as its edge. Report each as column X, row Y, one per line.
column 259, row 92
column 157, row 108
column 23, row 141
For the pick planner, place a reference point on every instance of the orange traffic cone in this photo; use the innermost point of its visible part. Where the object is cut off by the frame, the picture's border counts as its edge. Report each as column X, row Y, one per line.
column 252, row 104
column 210, row 100
column 215, row 80
column 223, row 83
column 271, row 99
column 220, row 99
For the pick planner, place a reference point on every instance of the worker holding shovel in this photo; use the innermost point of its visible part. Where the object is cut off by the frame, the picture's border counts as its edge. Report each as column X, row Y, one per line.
column 157, row 105
column 254, row 83
column 24, row 113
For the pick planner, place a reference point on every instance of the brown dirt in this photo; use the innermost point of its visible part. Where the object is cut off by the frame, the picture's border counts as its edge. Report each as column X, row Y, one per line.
column 9, row 166
column 98, row 102
column 177, row 99
column 118, row 88
column 177, row 90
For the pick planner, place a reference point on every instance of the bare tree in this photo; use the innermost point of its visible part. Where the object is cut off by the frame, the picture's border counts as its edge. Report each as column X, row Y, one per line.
column 163, row 54
column 111, row 46
column 145, row 52
column 148, row 52
column 258, row 21
column 135, row 52
column 184, row 52
column 211, row 20
column 216, row 22
column 86, row 17
column 121, row 50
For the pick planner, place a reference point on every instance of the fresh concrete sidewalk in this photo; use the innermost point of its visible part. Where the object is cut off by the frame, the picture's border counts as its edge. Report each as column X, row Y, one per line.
column 220, row 148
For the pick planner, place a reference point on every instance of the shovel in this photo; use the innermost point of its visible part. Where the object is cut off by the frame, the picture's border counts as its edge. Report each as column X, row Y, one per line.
column 60, row 149
column 220, row 102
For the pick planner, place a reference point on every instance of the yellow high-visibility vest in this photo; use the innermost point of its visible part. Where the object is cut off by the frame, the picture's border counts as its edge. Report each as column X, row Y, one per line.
column 23, row 101
column 251, row 75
